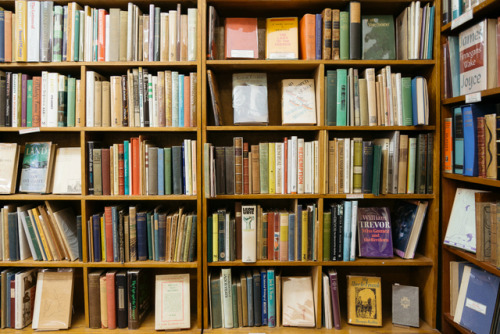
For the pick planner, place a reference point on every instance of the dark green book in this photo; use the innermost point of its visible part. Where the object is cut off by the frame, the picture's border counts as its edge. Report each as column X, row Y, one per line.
column 29, row 104
column 168, row 170
column 406, row 101
column 215, row 301
column 221, row 214
column 192, row 241
column 209, row 239
column 344, row 35
column 377, row 164
column 149, row 226
column 421, row 170
column 235, row 305
column 327, row 226
column 377, row 37
column 177, row 169
column 139, row 295
column 331, row 97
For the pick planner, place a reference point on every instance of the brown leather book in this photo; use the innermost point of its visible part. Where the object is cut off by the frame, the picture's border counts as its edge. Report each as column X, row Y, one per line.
column 238, row 165
column 95, row 299
column 335, row 34
column 481, row 147
column 246, row 170
column 255, row 169
column 327, row 34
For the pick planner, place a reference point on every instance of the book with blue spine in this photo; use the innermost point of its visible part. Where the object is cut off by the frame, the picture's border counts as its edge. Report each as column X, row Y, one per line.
column 470, row 113
column 271, row 299
column 126, row 169
column 175, row 99
column 149, row 231
column 250, row 307
column 291, row 237
column 116, row 242
column 347, row 230
column 458, row 141
column 161, row 172
column 142, row 237
column 431, row 33
column 319, row 37
column 96, row 227
column 341, row 97
column 181, row 100
column 264, row 296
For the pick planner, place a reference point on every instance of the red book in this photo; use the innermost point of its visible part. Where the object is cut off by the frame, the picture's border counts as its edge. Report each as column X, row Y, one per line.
column 13, row 303
column 108, row 225
column 481, row 147
column 246, row 170
column 241, row 38
column 187, row 100
column 101, row 35
column 106, row 186
column 448, row 146
column 238, row 222
column 308, row 37
column 285, row 166
column 121, row 173
column 270, row 236
column 135, row 167
column 276, row 235
column 111, row 299
column 37, row 90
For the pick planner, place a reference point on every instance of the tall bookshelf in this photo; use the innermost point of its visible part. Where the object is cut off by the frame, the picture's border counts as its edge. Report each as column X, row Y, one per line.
column 450, row 181
column 422, row 271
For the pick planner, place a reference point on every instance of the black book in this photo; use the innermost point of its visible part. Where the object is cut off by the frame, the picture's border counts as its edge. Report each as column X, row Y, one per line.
column 429, row 159
column 340, row 231
column 3, row 93
column 220, row 166
column 215, row 301
column 367, row 174
column 177, row 169
column 229, row 158
column 139, row 297
column 421, row 170
column 8, row 99
column 121, row 299
column 257, row 302
column 192, row 242
column 221, row 216
column 13, row 237
column 90, row 155
column 145, row 106
column 354, row 30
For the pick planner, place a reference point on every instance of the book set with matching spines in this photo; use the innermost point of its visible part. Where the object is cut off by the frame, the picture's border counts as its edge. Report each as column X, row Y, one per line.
column 333, row 34
column 44, row 31
column 140, row 99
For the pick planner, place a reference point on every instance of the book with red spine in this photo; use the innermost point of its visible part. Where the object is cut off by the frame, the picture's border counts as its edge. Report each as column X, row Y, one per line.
column 101, row 38
column 271, row 244
column 108, row 225
column 111, row 298
column 121, row 175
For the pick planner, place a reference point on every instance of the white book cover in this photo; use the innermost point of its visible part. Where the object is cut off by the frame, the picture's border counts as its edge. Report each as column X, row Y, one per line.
column 172, row 302
column 327, row 302
column 192, row 14
column 150, row 100
column 300, row 165
column 298, row 101
column 89, row 32
column 172, row 35
column 106, row 38
column 194, row 189
column 188, row 164
column 89, row 105
column 354, row 223
column 227, row 297
column 307, row 168
column 248, row 233
column 151, row 32
column 250, row 105
column 473, row 58
column 25, row 244
column 9, row 163
column 52, row 99
column 461, row 231
column 399, row 102
column 294, row 165
column 22, row 215
column 289, row 166
column 81, row 39
column 67, row 171
column 316, row 167
column 24, row 297
column 44, row 98
column 390, row 106
column 283, row 166
column 66, row 221
column 297, row 292
column 34, row 31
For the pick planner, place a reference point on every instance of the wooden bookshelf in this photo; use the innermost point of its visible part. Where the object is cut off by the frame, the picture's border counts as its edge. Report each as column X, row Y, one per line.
column 450, row 181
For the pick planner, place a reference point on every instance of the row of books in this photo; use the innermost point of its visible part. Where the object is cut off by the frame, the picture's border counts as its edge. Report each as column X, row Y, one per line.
column 122, row 234
column 333, row 34
column 373, row 231
column 257, row 234
column 40, row 297
column 470, row 138
column 396, row 165
column 468, row 72
column 32, row 101
column 383, row 99
column 470, row 283
column 290, row 167
column 138, row 167
column 45, row 168
column 141, row 99
column 39, row 31
column 452, row 9
column 49, row 232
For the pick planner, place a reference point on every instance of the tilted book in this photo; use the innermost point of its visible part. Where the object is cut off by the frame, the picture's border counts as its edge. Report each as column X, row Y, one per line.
column 473, row 58
column 37, row 167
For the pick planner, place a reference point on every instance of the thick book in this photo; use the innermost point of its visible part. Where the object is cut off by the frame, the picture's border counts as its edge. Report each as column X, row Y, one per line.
column 377, row 38
column 326, row 33
column 354, row 30
column 364, row 300
column 374, row 232
column 308, row 37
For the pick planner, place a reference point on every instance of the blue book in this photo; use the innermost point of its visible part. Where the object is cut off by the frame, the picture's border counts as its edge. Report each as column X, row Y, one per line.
column 291, row 237
column 149, row 229
column 161, row 172
column 116, row 239
column 271, row 299
column 181, row 100
column 457, row 8
column 96, row 226
column 347, row 230
column 2, row 36
column 342, row 97
column 299, row 232
column 431, row 33
column 13, row 230
column 454, row 65
column 319, row 30
column 250, row 299
column 263, row 290
column 126, row 170
column 156, row 221
column 476, row 300
column 470, row 113
column 458, row 141
column 142, row 236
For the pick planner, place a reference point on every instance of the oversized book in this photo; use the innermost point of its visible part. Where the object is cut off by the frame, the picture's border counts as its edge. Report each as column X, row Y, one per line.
column 374, row 232
column 364, row 300
column 473, row 58
column 250, row 104
column 298, row 104
column 298, row 301
column 37, row 167
column 67, row 171
column 172, row 306
column 377, row 37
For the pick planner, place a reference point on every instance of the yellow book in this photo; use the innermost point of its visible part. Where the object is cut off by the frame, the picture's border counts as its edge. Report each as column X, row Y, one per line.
column 304, row 235
column 20, row 37
column 272, row 168
column 282, row 38
column 215, row 237
column 45, row 244
column 103, row 239
column 364, row 300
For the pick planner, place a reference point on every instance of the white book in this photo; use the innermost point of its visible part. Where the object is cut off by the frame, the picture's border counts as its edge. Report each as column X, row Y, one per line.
column 194, row 190
column 347, row 166
column 172, row 35
column 154, row 121
column 327, row 302
column 300, row 165
column 354, row 222
column 15, row 100
column 22, row 214
column 192, row 14
column 390, row 106
column 25, row 242
column 130, row 24
column 34, row 31
column 307, row 168
column 81, row 39
column 150, row 99
column 416, row 23
column 106, row 38
column 175, row 98
column 395, row 162
column 316, row 167
column 43, row 98
column 187, row 165
column 67, row 171
column 248, row 233
column 289, row 166
column 411, row 28
column 297, row 293
column 399, row 101
column 294, row 165
column 151, row 31
column 89, row 105
column 172, row 302
column 88, row 34
column 52, row 97
column 24, row 297
column 298, row 101
column 278, row 153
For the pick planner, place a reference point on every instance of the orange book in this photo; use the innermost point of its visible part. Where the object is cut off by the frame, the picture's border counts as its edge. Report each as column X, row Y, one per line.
column 111, row 297
column 108, row 225
column 241, row 38
column 187, row 105
column 308, row 37
column 101, row 38
column 448, row 145
column 8, row 36
column 136, row 161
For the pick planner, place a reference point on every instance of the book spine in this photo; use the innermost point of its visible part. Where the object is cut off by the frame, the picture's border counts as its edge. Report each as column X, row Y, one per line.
column 481, row 147
column 319, row 37
column 227, row 306
column 354, row 30
column 271, row 298
column 327, row 34
column 344, row 35
column 238, row 165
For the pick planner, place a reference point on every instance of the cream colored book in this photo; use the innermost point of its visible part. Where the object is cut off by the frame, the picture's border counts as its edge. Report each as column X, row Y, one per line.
column 298, row 102
column 298, row 302
column 122, row 56
column 172, row 302
column 105, row 104
column 192, row 33
column 116, row 101
column 67, row 177
column 164, row 37
column 184, row 37
column 53, row 300
column 9, row 163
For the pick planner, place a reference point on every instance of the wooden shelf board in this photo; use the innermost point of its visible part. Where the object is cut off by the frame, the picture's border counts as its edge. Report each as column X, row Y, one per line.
column 265, row 128
column 40, row 197
column 142, row 264
column 141, row 197
column 29, row 262
column 472, row 179
column 381, row 196
column 77, row 64
column 41, row 129
column 267, row 196
column 381, row 128
column 479, row 9
column 472, row 258
column 449, row 319
column 140, row 129
column 489, row 93
column 418, row 261
column 272, row 263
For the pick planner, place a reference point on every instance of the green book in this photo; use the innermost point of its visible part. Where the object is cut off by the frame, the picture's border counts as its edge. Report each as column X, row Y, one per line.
column 216, row 301
column 235, row 305
column 150, row 232
column 35, row 167
column 71, row 102
column 327, row 226
column 342, row 97
column 344, row 35
column 76, row 32
column 377, row 37
column 264, row 167
column 168, row 170
column 29, row 104
column 406, row 101
column 187, row 237
column 209, row 239
column 331, row 97
column 377, row 165
column 32, row 235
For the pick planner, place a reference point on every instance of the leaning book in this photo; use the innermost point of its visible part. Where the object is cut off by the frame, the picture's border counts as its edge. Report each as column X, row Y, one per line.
column 37, row 167
column 67, row 171
column 9, row 162
column 172, row 308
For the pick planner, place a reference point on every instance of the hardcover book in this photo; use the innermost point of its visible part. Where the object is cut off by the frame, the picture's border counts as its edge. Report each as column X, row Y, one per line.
column 282, row 38
column 298, row 104
column 364, row 300
column 250, row 98
column 408, row 220
column 374, row 232
column 405, row 302
column 241, row 38
column 377, row 37
column 37, row 167
column 9, row 162
column 298, row 302
column 172, row 306
column 473, row 58
column 67, row 171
